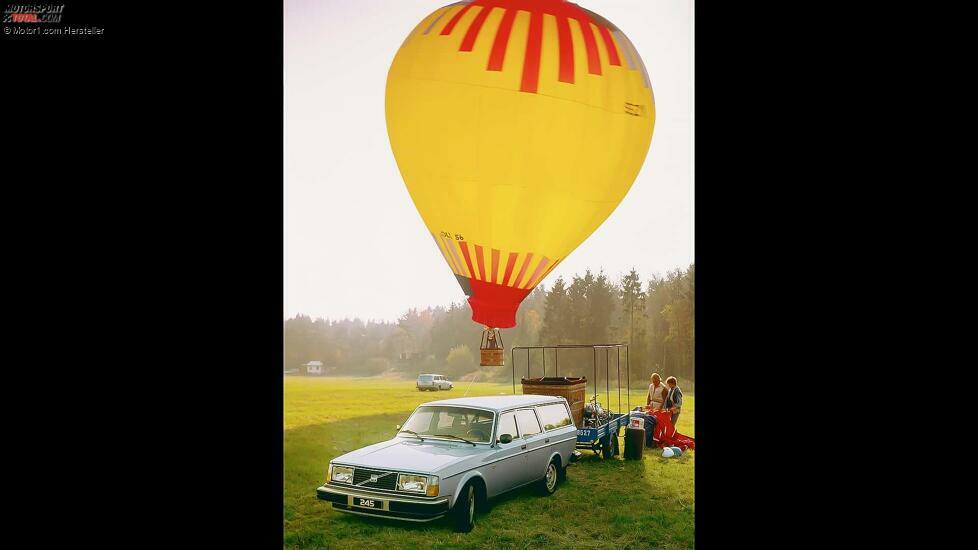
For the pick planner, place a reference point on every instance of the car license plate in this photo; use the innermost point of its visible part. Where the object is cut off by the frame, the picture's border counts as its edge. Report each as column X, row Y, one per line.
column 368, row 502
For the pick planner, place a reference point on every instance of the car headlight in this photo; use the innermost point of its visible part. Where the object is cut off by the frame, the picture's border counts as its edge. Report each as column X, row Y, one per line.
column 341, row 474
column 412, row 483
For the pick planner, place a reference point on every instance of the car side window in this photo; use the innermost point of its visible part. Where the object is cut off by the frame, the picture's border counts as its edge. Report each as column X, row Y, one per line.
column 527, row 422
column 554, row 416
column 507, row 425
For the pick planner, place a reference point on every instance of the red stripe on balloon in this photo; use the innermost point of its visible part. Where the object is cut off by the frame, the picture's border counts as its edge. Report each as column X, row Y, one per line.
column 531, row 60
column 526, row 263
column 502, row 39
column 551, row 268
column 610, row 45
column 468, row 259
column 454, row 20
column 509, row 267
column 593, row 61
column 482, row 262
column 566, row 50
column 474, row 29
column 495, row 264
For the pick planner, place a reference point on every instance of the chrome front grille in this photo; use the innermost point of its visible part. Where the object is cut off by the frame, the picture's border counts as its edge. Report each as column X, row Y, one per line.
column 385, row 480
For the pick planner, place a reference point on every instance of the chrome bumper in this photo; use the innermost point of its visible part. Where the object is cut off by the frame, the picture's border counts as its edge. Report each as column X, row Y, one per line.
column 390, row 506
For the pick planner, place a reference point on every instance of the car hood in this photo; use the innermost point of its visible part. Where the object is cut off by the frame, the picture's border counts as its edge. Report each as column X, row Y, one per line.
column 404, row 454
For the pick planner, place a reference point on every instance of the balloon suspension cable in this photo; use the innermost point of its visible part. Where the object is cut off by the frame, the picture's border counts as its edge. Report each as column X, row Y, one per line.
column 471, row 380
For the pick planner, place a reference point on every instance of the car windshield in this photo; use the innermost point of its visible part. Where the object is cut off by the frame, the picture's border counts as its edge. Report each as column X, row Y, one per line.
column 433, row 421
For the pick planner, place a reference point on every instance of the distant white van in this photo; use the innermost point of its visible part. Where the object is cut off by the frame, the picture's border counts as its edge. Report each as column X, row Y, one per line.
column 314, row 368
column 433, row 382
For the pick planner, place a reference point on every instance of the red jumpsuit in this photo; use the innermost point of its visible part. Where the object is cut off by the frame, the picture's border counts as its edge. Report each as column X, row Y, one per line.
column 665, row 434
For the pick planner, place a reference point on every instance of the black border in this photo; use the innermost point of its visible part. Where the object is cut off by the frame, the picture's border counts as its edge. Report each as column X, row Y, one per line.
column 145, row 201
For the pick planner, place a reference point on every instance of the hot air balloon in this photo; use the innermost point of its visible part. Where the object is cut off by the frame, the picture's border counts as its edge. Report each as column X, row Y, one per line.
column 518, row 126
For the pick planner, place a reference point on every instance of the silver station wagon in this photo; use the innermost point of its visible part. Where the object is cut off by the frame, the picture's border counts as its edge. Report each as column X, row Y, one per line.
column 452, row 456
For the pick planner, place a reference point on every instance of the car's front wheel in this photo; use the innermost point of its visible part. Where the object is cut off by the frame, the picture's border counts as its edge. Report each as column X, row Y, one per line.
column 463, row 513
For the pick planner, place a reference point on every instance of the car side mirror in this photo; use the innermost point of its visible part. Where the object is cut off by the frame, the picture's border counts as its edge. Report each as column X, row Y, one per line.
column 505, row 438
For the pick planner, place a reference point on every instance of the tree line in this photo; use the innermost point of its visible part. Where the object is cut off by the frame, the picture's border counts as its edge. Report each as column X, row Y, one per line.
column 653, row 316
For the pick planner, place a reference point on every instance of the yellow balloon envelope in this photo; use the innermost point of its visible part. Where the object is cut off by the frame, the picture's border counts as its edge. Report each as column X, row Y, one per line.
column 518, row 126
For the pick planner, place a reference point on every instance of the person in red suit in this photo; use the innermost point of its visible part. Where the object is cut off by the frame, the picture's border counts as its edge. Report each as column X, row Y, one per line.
column 665, row 434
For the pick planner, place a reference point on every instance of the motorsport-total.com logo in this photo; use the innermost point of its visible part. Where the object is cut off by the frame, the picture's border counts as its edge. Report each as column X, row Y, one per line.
column 33, row 13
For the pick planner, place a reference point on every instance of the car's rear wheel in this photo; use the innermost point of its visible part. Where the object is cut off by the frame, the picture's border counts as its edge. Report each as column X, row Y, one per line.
column 463, row 513
column 551, row 479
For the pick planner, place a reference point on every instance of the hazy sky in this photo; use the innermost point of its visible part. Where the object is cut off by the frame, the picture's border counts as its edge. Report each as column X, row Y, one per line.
column 355, row 245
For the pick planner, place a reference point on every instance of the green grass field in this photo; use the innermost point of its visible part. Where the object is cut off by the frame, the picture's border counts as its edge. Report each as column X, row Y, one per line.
column 607, row 503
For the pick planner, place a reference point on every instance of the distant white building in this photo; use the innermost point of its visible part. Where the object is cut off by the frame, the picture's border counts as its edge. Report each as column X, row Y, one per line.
column 314, row 367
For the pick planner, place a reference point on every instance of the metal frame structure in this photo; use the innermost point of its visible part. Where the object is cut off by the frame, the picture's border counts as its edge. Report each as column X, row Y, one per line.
column 600, row 437
column 594, row 347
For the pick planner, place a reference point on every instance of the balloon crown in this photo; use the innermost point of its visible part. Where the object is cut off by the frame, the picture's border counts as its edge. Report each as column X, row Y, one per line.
column 564, row 13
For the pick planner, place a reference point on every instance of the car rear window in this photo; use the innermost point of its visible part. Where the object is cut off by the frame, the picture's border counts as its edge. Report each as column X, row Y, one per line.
column 553, row 416
column 425, row 378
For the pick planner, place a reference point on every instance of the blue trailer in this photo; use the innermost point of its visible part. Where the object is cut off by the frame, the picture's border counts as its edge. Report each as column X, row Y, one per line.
column 599, row 429
column 604, row 438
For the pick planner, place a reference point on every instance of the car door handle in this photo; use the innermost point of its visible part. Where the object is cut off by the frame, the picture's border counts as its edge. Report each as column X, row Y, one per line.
column 523, row 447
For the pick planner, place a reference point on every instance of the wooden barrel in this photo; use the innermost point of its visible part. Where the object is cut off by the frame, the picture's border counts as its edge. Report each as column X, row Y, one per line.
column 571, row 389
